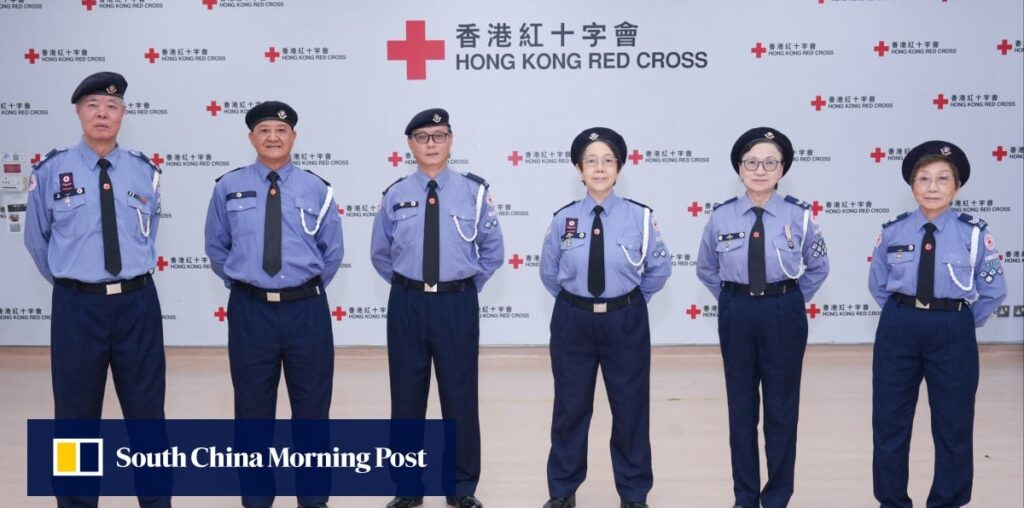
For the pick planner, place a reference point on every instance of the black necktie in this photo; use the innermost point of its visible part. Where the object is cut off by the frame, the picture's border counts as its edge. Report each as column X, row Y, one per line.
column 272, row 228
column 431, row 237
column 111, row 247
column 926, row 268
column 595, row 269
column 755, row 255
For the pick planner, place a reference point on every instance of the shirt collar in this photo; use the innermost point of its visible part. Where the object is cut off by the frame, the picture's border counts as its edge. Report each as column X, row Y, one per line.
column 283, row 172
column 772, row 206
column 89, row 157
column 941, row 222
column 610, row 203
column 441, row 178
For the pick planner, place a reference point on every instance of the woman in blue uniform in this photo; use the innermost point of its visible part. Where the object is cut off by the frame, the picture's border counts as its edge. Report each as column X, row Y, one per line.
column 763, row 257
column 603, row 259
column 937, row 275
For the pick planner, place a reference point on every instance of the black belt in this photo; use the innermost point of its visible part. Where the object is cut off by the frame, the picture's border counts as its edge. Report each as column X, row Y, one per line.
column 598, row 306
column 945, row 304
column 773, row 289
column 310, row 288
column 455, row 286
column 107, row 288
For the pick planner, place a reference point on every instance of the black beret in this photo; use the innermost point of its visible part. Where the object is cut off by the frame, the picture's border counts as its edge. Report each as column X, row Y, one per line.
column 945, row 149
column 271, row 110
column 426, row 118
column 763, row 134
column 588, row 136
column 101, row 83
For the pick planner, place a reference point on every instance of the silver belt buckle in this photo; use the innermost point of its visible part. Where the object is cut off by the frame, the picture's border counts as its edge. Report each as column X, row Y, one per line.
column 919, row 305
column 273, row 296
column 114, row 289
column 428, row 288
column 600, row 308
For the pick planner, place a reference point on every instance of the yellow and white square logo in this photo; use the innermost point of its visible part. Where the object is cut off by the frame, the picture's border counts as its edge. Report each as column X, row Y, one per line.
column 77, row 457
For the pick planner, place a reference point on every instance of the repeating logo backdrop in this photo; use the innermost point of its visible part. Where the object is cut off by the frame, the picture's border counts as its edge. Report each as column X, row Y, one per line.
column 855, row 84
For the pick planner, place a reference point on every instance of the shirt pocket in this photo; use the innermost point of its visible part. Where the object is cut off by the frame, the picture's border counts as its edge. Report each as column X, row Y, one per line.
column 958, row 268
column 464, row 219
column 789, row 255
column 308, row 210
column 632, row 247
column 242, row 216
column 729, row 247
column 70, row 217
column 140, row 207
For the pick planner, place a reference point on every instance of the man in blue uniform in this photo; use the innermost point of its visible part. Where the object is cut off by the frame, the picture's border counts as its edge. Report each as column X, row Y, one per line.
column 93, row 214
column 603, row 259
column 762, row 257
column 937, row 275
column 436, row 240
column 274, row 236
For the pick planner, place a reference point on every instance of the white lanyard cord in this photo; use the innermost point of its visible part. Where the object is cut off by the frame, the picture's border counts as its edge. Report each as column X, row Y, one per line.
column 320, row 216
column 479, row 203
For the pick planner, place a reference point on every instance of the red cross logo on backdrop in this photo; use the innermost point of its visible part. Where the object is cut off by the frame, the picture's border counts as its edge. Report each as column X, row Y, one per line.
column 878, row 154
column 415, row 49
column 758, row 50
column 694, row 209
column 209, row 4
column 157, row 159
column 394, row 159
column 515, row 261
column 999, row 153
column 693, row 311
column 816, row 208
column 220, row 314
column 635, row 157
column 89, row 4
column 151, row 55
column 869, row 259
column 515, row 158
column 161, row 264
column 941, row 101
column 813, row 311
column 818, row 103
column 881, row 48
column 339, row 313
column 272, row 54
column 1004, row 47
column 35, row 160
column 31, row 56
column 341, row 211
column 213, row 108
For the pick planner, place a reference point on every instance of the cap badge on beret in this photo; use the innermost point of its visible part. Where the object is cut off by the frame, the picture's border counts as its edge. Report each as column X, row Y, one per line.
column 769, row 135
column 281, row 114
column 437, row 118
column 593, row 136
column 946, row 151
column 112, row 89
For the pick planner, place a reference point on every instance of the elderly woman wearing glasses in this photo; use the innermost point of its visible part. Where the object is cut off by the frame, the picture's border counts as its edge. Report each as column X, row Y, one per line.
column 603, row 259
column 937, row 275
column 763, row 257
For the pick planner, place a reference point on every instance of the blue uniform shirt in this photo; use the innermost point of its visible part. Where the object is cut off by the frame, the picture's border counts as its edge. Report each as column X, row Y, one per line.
column 235, row 224
column 471, row 244
column 565, row 255
column 723, row 247
column 895, row 259
column 63, row 231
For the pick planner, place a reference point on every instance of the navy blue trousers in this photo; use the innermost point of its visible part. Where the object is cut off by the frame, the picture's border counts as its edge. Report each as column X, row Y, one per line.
column 90, row 333
column 941, row 348
column 618, row 342
column 763, row 341
column 443, row 329
column 263, row 337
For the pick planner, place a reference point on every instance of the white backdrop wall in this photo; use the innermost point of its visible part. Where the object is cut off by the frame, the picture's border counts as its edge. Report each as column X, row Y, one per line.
column 854, row 84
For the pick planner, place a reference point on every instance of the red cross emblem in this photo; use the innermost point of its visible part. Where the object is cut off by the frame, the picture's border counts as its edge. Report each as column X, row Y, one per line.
column 758, row 50
column 89, row 4
column 999, row 153
column 151, row 55
column 339, row 313
column 941, row 101
column 813, row 311
column 881, row 48
column 1004, row 47
column 416, row 49
column 818, row 103
column 213, row 108
column 157, row 159
column 878, row 154
column 31, row 56
column 693, row 311
column 209, row 4
column 515, row 158
column 515, row 261
column 394, row 159
column 272, row 54
column 635, row 157
column 161, row 263
column 694, row 209
column 220, row 314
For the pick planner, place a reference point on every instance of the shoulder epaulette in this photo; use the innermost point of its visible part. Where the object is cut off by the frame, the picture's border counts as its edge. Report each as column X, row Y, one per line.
column 392, row 185
column 974, row 221
column 564, row 207
column 143, row 157
column 318, row 176
column 228, row 173
column 47, row 157
column 726, row 202
column 798, row 202
column 477, row 179
column 895, row 219
column 641, row 205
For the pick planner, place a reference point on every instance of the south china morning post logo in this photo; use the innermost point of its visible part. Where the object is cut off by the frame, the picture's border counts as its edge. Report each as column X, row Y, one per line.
column 77, row 457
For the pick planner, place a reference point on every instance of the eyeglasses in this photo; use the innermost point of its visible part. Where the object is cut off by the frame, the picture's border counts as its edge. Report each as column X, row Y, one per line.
column 592, row 163
column 943, row 180
column 770, row 165
column 438, row 137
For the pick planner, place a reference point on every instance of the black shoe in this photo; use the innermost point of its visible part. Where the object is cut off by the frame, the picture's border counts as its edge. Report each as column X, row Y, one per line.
column 633, row 504
column 404, row 502
column 561, row 502
column 464, row 502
